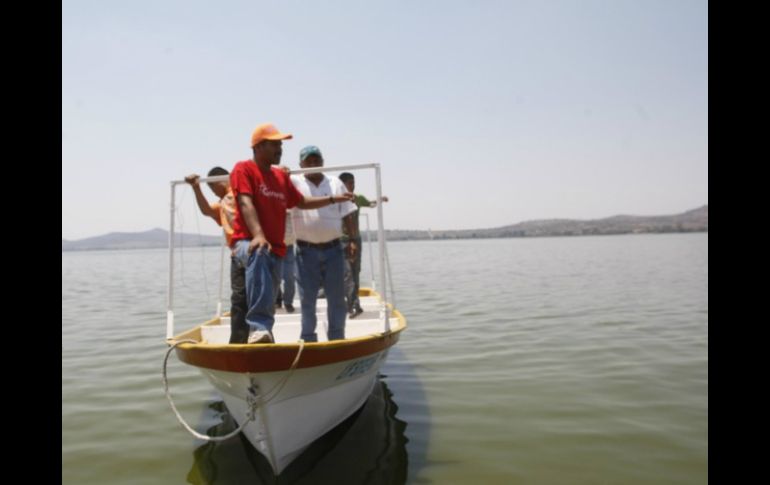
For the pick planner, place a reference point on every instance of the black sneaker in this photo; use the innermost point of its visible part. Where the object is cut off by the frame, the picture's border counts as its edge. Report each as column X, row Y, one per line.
column 289, row 308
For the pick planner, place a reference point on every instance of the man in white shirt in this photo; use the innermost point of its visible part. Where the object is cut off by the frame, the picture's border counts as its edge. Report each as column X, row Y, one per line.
column 319, row 252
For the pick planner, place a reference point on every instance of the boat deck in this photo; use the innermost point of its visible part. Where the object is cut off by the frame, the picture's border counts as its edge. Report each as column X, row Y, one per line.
column 288, row 327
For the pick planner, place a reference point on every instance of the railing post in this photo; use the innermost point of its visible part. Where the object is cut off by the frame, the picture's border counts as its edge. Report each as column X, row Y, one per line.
column 221, row 275
column 371, row 254
column 381, row 246
column 170, row 294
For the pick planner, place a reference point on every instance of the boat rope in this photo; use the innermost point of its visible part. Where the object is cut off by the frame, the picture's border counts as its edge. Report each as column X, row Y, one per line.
column 252, row 398
column 279, row 385
column 252, row 404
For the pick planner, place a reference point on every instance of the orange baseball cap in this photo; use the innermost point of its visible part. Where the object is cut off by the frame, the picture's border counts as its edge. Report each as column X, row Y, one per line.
column 267, row 131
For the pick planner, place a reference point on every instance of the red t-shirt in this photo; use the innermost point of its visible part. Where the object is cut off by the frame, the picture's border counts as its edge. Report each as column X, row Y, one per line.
column 272, row 193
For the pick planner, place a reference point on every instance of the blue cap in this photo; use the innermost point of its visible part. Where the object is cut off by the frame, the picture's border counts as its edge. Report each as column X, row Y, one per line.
column 309, row 150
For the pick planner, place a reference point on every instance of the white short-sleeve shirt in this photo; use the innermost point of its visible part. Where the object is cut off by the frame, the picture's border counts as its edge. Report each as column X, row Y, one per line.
column 324, row 224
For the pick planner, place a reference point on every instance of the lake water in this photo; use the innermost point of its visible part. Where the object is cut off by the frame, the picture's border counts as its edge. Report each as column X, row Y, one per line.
column 577, row 360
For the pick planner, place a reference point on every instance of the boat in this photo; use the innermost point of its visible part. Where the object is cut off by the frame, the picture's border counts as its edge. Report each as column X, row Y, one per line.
column 369, row 446
column 287, row 394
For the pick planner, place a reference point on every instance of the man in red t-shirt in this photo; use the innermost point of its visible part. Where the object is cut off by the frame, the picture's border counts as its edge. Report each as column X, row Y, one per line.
column 263, row 193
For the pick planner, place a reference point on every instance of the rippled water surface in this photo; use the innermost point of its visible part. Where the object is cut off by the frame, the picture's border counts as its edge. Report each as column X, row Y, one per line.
column 551, row 360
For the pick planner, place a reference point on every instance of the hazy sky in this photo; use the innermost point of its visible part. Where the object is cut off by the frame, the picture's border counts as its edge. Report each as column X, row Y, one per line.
column 482, row 113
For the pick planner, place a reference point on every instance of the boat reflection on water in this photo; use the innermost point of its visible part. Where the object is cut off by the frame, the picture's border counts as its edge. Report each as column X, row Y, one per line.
column 368, row 447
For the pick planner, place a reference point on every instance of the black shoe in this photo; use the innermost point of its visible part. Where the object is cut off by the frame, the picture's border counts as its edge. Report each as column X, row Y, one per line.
column 289, row 308
column 355, row 313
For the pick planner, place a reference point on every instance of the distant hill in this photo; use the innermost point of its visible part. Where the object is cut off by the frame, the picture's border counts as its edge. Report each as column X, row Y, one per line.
column 154, row 238
column 696, row 220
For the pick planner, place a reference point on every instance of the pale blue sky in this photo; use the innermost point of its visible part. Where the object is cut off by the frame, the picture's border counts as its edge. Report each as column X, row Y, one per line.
column 482, row 113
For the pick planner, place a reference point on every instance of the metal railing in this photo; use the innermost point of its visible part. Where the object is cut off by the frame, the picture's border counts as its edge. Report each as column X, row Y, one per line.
column 371, row 260
column 384, row 263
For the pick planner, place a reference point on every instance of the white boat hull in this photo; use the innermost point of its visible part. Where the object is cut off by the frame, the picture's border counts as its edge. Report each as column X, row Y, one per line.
column 311, row 403
column 300, row 391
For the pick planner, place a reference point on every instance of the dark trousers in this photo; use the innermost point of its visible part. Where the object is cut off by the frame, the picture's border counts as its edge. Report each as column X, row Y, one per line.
column 239, row 330
column 352, row 277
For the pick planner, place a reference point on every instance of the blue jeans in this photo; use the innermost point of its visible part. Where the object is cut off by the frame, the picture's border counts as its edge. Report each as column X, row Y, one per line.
column 325, row 268
column 261, row 269
column 288, row 275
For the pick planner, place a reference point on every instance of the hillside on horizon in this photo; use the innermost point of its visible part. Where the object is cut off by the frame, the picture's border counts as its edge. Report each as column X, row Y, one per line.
column 154, row 238
column 695, row 220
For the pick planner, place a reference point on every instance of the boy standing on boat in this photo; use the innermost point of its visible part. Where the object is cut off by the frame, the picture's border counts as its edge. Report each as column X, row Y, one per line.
column 223, row 211
column 320, row 258
column 263, row 193
column 353, row 263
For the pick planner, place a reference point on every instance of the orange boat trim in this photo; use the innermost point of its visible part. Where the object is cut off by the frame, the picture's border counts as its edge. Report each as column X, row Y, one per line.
column 278, row 357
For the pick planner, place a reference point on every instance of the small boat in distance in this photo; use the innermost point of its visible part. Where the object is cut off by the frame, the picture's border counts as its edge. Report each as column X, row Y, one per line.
column 287, row 394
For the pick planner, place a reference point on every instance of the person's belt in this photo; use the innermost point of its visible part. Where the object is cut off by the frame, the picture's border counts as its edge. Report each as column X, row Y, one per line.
column 326, row 245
